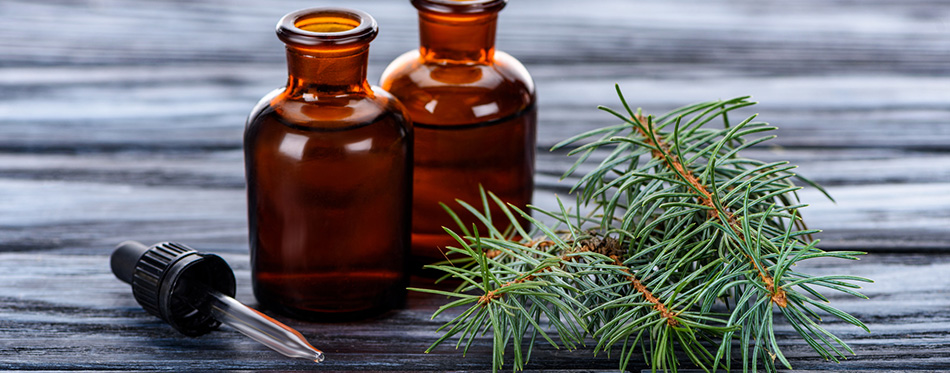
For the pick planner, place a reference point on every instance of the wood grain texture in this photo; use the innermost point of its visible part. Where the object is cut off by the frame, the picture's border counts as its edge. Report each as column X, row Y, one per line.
column 123, row 119
column 47, row 317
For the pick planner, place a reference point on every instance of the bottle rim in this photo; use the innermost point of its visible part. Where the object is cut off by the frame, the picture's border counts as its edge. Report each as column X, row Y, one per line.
column 290, row 31
column 460, row 6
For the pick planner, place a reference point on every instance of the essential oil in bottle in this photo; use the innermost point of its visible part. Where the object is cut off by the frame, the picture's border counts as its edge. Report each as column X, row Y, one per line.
column 474, row 116
column 329, row 177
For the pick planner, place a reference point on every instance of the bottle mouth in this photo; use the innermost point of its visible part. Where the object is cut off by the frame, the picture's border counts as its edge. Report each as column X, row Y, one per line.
column 326, row 27
column 460, row 6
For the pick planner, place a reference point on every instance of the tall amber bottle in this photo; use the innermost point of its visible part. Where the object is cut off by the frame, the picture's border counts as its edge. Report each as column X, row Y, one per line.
column 473, row 112
column 329, row 176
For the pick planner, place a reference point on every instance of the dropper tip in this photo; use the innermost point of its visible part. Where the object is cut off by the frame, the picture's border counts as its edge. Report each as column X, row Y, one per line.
column 319, row 357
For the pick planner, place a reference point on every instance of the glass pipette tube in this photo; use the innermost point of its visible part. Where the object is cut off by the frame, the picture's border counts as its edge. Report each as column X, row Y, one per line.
column 262, row 328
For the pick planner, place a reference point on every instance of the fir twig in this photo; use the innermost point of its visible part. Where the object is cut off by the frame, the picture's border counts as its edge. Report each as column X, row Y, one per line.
column 685, row 249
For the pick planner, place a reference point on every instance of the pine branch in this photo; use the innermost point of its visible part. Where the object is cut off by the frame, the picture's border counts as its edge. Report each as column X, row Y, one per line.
column 684, row 249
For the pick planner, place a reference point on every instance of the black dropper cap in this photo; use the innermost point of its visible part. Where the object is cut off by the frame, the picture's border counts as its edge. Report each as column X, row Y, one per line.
column 171, row 281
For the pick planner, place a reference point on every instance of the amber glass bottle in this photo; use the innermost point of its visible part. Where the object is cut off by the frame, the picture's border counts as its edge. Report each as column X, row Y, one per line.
column 329, row 177
column 473, row 112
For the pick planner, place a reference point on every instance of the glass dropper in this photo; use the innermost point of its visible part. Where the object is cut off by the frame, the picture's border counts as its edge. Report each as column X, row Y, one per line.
column 262, row 328
column 193, row 292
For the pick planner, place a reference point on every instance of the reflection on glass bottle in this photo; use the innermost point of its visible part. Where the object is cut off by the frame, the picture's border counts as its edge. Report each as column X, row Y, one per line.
column 329, row 176
column 473, row 109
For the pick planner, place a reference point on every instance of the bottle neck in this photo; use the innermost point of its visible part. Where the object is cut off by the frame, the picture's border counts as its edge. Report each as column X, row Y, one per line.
column 465, row 38
column 328, row 71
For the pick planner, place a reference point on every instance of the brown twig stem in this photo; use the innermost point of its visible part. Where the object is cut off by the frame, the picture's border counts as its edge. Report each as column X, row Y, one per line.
column 661, row 151
column 642, row 289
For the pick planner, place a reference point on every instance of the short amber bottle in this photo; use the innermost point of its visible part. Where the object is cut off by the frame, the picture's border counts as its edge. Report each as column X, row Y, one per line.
column 473, row 112
column 329, row 177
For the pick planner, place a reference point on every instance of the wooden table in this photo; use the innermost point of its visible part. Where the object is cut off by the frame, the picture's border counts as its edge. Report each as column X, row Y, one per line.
column 122, row 119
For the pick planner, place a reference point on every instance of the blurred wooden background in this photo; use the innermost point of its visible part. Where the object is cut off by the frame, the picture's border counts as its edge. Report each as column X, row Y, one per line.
column 122, row 119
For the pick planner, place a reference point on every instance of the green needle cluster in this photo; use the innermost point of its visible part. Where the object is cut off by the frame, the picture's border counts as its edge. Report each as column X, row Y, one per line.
column 676, row 249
